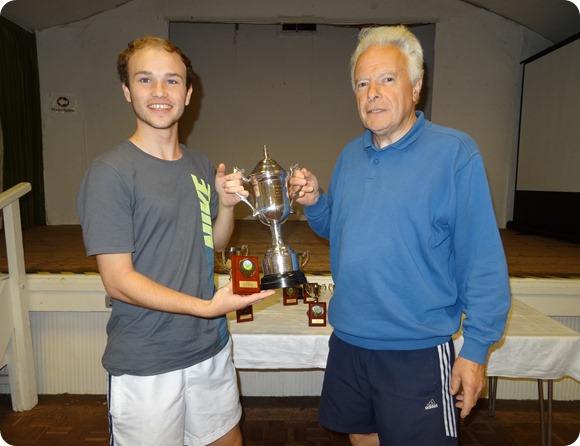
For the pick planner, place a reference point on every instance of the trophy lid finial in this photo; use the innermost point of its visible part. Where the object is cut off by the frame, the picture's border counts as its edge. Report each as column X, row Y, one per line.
column 267, row 167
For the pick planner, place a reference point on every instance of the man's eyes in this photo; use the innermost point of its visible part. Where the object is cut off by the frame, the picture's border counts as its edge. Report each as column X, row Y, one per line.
column 383, row 81
column 147, row 80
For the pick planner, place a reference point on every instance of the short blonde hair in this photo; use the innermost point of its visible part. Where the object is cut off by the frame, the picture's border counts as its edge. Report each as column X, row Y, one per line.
column 151, row 41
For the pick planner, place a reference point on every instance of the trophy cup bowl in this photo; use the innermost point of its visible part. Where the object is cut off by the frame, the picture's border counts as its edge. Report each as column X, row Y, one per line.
column 268, row 181
column 314, row 290
column 227, row 253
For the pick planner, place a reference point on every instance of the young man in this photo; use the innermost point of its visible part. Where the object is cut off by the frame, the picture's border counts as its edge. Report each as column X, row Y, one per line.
column 153, row 212
column 414, row 245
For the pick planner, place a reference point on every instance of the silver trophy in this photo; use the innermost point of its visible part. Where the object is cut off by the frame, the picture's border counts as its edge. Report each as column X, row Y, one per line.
column 281, row 265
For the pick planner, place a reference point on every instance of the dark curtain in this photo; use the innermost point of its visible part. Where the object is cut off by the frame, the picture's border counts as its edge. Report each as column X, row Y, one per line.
column 21, row 121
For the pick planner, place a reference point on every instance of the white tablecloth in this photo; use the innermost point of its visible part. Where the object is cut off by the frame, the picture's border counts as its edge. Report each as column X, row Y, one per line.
column 279, row 337
column 534, row 345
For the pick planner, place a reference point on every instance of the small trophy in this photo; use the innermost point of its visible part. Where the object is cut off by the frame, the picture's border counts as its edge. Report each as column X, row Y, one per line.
column 245, row 314
column 312, row 291
column 225, row 261
column 290, row 295
column 316, row 314
column 281, row 264
column 245, row 275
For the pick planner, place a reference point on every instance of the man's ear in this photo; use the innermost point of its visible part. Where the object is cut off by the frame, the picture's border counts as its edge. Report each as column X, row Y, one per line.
column 417, row 90
column 126, row 92
column 188, row 95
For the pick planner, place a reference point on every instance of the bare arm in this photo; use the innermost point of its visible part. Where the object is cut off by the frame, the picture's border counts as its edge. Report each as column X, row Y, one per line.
column 122, row 282
column 227, row 186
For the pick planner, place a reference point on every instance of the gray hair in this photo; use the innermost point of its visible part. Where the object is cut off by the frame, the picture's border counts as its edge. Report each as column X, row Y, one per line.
column 399, row 36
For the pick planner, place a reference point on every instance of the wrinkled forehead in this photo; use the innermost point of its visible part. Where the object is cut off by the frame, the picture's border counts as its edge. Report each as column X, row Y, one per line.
column 381, row 58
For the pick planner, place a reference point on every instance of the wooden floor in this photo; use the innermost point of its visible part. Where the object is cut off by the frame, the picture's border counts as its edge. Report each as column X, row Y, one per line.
column 81, row 420
column 57, row 249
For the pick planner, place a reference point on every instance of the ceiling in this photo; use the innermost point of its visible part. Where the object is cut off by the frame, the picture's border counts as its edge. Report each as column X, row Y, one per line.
column 556, row 20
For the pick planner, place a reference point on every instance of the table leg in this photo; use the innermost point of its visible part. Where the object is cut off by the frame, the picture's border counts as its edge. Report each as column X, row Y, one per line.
column 492, row 384
column 542, row 415
column 550, row 400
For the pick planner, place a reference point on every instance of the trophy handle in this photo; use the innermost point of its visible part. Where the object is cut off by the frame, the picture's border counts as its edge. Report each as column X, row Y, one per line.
column 223, row 261
column 304, row 256
column 244, row 199
column 295, row 194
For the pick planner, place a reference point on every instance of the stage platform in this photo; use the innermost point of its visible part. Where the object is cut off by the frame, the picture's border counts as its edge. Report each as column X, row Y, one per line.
column 60, row 249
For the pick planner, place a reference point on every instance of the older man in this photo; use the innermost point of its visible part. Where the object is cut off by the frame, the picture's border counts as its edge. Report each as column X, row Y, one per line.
column 414, row 247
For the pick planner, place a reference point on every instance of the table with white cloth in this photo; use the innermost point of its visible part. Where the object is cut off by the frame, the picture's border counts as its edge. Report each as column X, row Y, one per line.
column 534, row 346
column 279, row 337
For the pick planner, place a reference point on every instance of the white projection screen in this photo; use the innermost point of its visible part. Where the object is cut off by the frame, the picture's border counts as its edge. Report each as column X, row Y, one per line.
column 547, row 195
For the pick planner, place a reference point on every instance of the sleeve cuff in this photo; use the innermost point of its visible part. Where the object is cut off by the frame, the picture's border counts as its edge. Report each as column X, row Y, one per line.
column 474, row 351
column 317, row 208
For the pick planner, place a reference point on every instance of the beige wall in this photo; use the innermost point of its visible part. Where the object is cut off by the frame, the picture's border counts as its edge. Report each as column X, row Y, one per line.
column 475, row 86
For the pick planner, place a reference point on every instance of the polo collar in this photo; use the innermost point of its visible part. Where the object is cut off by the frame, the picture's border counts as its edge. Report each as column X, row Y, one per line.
column 409, row 138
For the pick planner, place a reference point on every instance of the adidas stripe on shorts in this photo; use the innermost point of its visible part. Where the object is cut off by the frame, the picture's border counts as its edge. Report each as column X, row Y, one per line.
column 401, row 394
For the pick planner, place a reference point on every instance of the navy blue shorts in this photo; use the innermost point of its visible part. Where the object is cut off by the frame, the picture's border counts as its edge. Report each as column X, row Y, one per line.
column 403, row 395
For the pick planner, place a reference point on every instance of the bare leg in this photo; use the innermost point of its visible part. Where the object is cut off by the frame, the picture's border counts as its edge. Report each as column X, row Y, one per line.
column 232, row 438
column 364, row 439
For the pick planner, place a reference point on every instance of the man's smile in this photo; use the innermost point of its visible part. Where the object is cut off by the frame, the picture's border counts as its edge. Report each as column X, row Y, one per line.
column 160, row 106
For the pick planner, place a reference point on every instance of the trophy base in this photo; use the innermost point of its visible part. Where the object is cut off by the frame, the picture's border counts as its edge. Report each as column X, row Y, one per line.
column 283, row 280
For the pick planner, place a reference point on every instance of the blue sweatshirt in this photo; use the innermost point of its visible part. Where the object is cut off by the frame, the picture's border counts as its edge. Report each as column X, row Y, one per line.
column 414, row 244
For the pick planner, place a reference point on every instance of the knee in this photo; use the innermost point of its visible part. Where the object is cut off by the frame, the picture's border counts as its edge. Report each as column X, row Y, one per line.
column 232, row 438
column 364, row 439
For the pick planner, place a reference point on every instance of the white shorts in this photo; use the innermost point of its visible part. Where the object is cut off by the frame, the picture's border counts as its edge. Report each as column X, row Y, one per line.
column 191, row 407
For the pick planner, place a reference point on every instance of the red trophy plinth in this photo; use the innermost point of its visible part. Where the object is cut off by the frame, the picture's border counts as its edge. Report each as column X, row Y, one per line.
column 245, row 314
column 245, row 280
column 291, row 294
column 245, row 274
column 317, row 314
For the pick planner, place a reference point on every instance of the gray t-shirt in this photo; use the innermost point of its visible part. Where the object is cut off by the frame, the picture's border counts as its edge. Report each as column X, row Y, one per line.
column 161, row 212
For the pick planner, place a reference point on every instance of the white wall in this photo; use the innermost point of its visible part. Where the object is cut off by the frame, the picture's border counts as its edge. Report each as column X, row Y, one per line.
column 475, row 86
column 290, row 91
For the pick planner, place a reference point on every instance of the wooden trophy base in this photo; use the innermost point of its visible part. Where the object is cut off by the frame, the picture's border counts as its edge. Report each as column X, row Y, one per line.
column 245, row 314
column 245, row 274
column 317, row 314
column 245, row 280
column 290, row 295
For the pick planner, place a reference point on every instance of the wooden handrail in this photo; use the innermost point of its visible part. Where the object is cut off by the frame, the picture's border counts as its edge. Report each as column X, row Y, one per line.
column 14, row 193
column 18, row 354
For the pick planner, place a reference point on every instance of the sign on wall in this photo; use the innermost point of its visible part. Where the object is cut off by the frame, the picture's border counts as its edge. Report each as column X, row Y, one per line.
column 63, row 103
